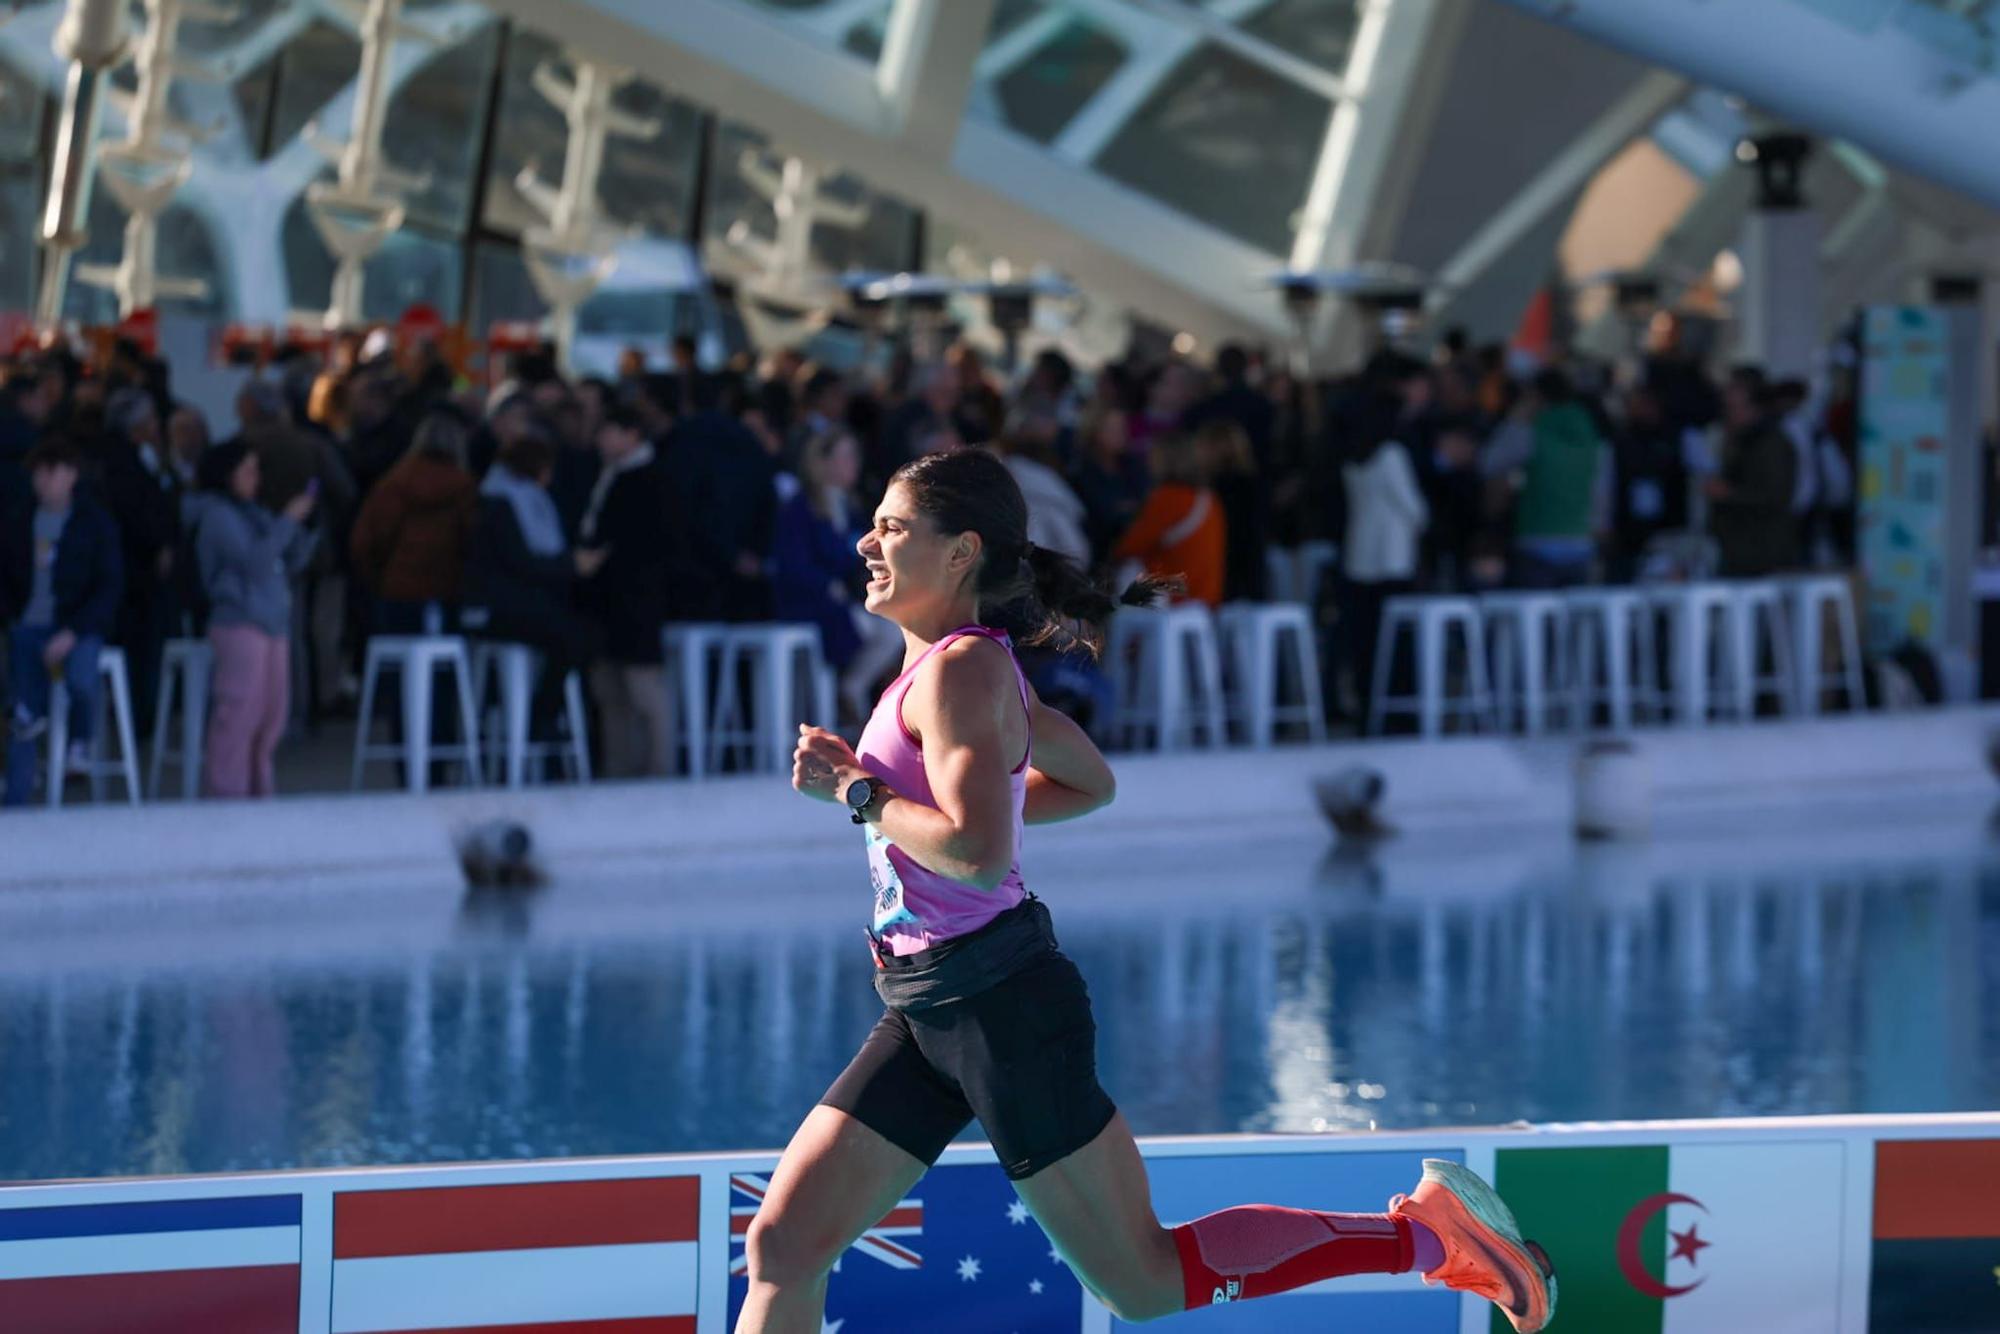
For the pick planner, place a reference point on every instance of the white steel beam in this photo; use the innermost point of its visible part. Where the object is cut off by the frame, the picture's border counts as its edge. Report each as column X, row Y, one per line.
column 1395, row 78
column 925, row 73
column 1556, row 185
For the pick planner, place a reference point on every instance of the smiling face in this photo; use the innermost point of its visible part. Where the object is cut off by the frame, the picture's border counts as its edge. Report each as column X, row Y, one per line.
column 914, row 571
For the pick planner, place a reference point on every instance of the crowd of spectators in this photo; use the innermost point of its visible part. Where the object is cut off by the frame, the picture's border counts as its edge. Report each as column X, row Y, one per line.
column 377, row 492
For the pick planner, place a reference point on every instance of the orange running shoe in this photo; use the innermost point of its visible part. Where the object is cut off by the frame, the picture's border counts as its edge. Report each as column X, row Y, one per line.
column 1484, row 1252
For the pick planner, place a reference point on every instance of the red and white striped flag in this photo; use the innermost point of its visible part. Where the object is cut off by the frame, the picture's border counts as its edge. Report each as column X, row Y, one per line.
column 620, row 1257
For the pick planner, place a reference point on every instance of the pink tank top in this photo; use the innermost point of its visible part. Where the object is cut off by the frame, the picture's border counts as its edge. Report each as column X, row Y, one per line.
column 917, row 908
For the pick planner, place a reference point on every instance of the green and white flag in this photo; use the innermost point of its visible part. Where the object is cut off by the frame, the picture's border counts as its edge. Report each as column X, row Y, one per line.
column 1695, row 1239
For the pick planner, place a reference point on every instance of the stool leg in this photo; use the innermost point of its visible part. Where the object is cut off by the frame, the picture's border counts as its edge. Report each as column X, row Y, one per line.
column 1690, row 632
column 1385, row 653
column 1170, row 700
column 694, row 707
column 1261, row 687
column 1618, row 670
column 163, row 706
column 1209, row 667
column 579, row 727
column 1306, row 659
column 468, row 716
column 1534, row 686
column 416, row 687
column 1430, row 679
column 128, row 749
column 1741, row 652
column 1850, row 653
column 515, row 686
column 58, row 741
column 1808, row 633
column 194, row 726
column 1480, row 706
column 363, row 719
column 772, row 691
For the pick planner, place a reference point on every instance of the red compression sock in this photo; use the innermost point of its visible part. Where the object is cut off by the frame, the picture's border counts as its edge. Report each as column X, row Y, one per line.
column 1256, row 1250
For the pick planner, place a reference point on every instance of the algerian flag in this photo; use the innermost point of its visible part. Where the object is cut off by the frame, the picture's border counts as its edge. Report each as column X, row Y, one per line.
column 1690, row 1239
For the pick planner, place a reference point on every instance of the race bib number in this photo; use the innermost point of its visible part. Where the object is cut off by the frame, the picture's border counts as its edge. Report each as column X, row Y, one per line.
column 888, row 883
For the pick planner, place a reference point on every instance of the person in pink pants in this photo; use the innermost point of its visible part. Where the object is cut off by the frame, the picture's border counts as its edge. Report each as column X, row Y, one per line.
column 248, row 558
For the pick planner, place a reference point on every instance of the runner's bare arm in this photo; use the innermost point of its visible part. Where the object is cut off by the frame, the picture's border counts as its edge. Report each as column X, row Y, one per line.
column 1069, row 778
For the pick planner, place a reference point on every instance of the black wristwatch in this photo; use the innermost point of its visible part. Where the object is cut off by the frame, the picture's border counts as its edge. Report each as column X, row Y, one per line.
column 860, row 795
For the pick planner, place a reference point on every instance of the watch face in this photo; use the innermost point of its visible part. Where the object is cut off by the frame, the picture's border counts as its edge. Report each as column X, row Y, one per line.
column 859, row 793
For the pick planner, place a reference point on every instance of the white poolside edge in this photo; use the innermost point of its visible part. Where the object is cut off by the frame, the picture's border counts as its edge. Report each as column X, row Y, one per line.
column 1469, row 783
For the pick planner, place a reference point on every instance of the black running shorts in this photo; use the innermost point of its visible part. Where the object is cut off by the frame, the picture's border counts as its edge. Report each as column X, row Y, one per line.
column 1021, row 1056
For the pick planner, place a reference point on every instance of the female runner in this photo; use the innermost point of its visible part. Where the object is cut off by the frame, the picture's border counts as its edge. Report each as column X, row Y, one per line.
column 985, row 1016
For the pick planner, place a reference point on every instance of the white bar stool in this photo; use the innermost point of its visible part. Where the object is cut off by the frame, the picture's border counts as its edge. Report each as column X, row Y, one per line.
column 784, row 662
column 186, row 667
column 1524, row 634
column 1702, row 636
column 1166, row 671
column 1758, row 619
column 1260, row 638
column 1613, row 660
column 691, row 650
column 1811, row 597
column 417, row 658
column 117, row 699
column 1432, row 620
column 519, row 667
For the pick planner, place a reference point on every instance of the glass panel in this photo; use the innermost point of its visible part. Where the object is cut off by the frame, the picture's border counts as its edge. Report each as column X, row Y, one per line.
column 1039, row 95
column 647, row 184
column 632, row 312
column 1226, row 141
column 184, row 250
column 245, row 17
column 435, row 121
column 882, row 241
column 316, row 65
column 1321, row 31
column 22, row 107
column 20, row 209
column 411, row 267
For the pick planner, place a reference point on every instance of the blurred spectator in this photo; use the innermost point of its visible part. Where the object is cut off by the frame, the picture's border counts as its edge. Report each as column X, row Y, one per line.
column 1562, row 491
column 143, row 493
column 1180, row 531
column 819, row 573
column 248, row 559
column 187, row 440
column 925, row 413
column 61, row 580
column 410, row 538
column 1751, row 495
column 1651, row 491
column 1236, row 401
column 1105, row 480
column 1055, row 514
column 1232, row 470
column 1455, row 493
column 725, row 471
column 631, row 594
column 1386, row 516
column 1170, row 394
column 520, row 575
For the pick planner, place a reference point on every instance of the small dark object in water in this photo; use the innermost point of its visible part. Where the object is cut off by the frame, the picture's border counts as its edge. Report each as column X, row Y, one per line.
column 498, row 854
column 1349, row 798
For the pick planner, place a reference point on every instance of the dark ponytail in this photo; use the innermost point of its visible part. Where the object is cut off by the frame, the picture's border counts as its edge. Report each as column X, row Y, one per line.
column 1040, row 597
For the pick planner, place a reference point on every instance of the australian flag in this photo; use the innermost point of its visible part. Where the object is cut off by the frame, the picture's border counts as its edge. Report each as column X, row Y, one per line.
column 962, row 1253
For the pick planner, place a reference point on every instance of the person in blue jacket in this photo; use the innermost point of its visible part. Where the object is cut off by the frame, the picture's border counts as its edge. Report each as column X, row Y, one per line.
column 818, row 572
column 61, row 579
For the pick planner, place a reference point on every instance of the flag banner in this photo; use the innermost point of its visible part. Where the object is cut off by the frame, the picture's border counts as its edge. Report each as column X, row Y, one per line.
column 152, row 1267
column 1936, row 1252
column 587, row 1257
column 1187, row 1188
column 961, row 1253
column 1691, row 1239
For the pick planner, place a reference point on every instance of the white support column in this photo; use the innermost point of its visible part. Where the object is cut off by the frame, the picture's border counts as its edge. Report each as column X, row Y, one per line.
column 1557, row 184
column 925, row 72
column 1394, row 79
column 92, row 38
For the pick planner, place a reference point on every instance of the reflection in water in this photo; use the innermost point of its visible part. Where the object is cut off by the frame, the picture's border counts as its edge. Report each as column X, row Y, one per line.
column 1604, row 988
